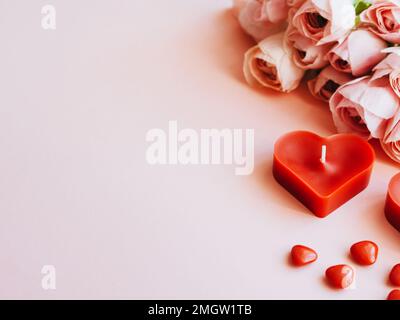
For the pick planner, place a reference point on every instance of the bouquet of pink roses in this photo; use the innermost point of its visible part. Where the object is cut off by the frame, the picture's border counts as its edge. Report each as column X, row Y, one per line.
column 352, row 46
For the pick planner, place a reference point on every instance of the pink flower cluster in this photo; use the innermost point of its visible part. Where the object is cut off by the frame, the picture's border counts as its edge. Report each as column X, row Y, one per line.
column 352, row 47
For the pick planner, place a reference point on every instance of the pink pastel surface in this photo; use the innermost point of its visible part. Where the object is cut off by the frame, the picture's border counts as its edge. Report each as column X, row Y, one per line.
column 77, row 193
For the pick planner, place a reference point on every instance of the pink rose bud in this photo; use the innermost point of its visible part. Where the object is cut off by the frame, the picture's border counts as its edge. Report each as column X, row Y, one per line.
column 306, row 54
column 358, row 54
column 390, row 66
column 391, row 140
column 261, row 18
column 364, row 107
column 325, row 21
column 383, row 18
column 269, row 64
column 327, row 82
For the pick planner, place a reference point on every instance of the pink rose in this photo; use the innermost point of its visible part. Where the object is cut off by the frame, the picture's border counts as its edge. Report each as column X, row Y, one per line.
column 391, row 139
column 325, row 21
column 327, row 82
column 364, row 107
column 262, row 18
column 383, row 17
column 306, row 54
column 295, row 3
column 358, row 54
column 390, row 67
column 269, row 64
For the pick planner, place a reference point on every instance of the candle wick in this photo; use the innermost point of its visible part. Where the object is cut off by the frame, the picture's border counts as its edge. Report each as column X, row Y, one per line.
column 323, row 154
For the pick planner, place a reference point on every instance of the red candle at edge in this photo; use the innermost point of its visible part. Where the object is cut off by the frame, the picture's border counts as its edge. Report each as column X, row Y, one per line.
column 322, row 183
column 392, row 207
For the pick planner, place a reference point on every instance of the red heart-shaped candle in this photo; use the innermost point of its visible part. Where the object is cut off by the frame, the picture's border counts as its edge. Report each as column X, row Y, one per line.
column 392, row 207
column 323, row 173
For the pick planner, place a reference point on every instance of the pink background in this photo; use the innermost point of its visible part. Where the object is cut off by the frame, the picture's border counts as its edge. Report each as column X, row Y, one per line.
column 77, row 193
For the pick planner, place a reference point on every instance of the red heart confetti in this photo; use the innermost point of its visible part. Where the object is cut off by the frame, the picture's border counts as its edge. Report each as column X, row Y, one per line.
column 394, row 295
column 364, row 253
column 302, row 255
column 340, row 276
column 395, row 275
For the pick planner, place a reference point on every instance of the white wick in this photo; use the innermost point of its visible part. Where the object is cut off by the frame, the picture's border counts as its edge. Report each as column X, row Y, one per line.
column 323, row 154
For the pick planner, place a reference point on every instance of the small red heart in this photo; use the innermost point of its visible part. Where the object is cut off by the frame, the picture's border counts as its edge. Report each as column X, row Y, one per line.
column 395, row 275
column 323, row 183
column 394, row 295
column 302, row 255
column 340, row 276
column 364, row 252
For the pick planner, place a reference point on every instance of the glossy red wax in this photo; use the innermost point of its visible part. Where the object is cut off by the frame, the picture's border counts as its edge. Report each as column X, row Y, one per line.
column 302, row 255
column 392, row 207
column 394, row 295
column 323, row 187
column 364, row 252
column 340, row 276
column 395, row 275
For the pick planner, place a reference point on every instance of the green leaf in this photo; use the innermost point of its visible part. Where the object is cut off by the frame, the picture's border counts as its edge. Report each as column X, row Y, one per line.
column 361, row 5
